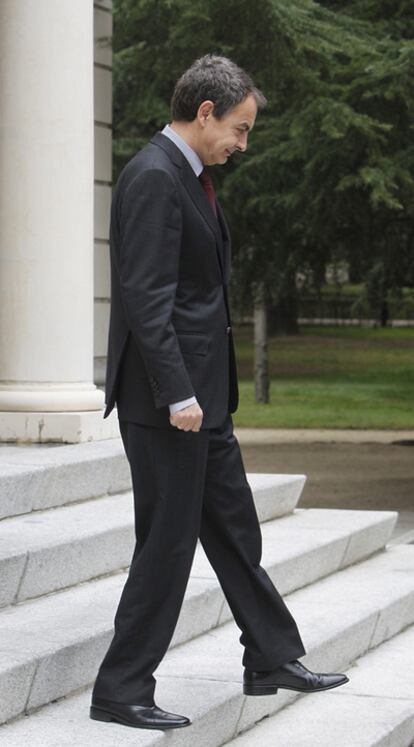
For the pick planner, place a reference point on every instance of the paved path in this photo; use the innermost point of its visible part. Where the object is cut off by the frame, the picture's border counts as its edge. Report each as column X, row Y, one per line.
column 317, row 435
column 355, row 475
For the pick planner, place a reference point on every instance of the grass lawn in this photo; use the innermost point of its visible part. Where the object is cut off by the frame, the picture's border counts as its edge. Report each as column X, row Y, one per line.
column 336, row 377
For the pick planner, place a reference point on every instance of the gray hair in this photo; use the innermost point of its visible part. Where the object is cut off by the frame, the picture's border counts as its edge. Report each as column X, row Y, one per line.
column 212, row 78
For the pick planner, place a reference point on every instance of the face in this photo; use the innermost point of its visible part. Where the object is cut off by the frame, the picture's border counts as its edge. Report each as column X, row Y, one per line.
column 219, row 138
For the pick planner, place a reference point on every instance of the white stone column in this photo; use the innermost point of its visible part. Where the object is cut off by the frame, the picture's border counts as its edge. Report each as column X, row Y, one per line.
column 46, row 223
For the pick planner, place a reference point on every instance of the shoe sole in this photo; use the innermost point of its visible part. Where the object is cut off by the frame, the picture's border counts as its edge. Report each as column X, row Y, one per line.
column 272, row 690
column 99, row 715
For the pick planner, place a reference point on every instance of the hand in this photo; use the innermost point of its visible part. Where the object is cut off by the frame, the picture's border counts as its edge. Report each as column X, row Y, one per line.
column 188, row 419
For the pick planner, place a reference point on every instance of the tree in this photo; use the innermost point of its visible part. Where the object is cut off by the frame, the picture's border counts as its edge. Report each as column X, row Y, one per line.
column 332, row 175
column 329, row 173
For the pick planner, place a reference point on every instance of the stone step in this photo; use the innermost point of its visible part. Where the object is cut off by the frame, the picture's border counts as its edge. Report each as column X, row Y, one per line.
column 44, row 551
column 53, row 645
column 33, row 479
column 375, row 709
column 36, row 479
column 340, row 618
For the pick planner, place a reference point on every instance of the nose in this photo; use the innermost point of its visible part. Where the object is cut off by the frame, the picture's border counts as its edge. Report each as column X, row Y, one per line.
column 242, row 142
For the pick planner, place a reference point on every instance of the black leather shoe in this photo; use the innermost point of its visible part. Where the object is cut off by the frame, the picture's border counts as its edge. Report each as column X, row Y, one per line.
column 291, row 676
column 142, row 717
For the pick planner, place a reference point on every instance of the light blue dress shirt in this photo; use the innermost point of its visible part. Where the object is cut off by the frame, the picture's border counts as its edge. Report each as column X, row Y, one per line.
column 197, row 165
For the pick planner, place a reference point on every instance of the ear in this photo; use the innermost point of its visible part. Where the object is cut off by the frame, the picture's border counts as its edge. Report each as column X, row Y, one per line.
column 205, row 112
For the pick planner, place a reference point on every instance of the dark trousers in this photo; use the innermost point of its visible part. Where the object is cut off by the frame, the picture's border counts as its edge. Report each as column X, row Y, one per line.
column 188, row 485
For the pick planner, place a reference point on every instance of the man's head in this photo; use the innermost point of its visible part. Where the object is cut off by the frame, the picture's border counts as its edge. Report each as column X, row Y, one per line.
column 214, row 106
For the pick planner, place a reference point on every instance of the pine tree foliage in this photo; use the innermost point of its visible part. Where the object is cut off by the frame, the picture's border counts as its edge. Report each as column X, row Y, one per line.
column 329, row 172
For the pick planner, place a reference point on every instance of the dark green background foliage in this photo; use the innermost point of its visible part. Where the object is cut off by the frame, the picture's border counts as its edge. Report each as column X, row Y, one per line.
column 329, row 172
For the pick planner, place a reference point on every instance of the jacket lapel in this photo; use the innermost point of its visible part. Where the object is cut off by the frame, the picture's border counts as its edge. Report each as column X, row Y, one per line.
column 199, row 197
column 226, row 244
column 195, row 191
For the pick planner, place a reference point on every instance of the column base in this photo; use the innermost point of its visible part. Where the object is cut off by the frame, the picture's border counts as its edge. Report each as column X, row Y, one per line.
column 57, row 427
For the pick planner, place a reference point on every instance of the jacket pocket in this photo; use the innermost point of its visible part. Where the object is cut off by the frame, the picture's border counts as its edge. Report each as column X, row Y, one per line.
column 193, row 343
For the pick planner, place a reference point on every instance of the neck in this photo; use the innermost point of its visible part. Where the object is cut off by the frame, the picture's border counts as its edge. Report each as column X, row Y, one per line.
column 187, row 132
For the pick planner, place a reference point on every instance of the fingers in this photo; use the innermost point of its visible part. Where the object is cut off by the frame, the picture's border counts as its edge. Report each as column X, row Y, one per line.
column 192, row 424
column 188, row 419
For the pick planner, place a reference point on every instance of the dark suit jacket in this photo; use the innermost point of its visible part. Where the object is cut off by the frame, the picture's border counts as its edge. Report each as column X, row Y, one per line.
column 170, row 331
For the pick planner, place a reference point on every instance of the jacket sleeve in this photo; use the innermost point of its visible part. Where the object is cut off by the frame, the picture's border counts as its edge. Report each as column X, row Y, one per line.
column 150, row 231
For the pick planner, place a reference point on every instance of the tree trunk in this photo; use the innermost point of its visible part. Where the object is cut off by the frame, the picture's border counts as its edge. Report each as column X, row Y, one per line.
column 261, row 368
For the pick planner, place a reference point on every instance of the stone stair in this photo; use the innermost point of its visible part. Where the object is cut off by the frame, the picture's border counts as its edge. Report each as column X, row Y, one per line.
column 66, row 541
column 375, row 708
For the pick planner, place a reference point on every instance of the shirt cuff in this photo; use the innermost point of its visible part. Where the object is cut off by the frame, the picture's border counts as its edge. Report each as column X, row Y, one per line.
column 180, row 405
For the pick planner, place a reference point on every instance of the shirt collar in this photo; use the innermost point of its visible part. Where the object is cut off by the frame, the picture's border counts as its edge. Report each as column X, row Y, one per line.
column 192, row 157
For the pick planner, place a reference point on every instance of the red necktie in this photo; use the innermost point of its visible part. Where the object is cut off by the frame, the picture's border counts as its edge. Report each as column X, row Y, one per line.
column 207, row 185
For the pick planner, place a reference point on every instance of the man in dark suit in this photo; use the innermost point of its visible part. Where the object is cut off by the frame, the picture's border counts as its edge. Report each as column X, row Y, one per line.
column 172, row 373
